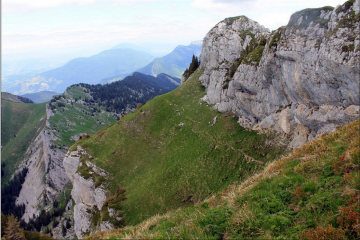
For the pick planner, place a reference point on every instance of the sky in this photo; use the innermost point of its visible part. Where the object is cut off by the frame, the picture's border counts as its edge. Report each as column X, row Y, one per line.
column 81, row 28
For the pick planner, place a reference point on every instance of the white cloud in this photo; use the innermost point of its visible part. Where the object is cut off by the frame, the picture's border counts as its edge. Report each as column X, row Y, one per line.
column 148, row 29
column 271, row 14
column 132, row 2
column 10, row 6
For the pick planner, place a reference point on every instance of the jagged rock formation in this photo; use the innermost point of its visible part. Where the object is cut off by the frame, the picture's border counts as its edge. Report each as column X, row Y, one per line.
column 300, row 80
column 46, row 177
column 85, row 194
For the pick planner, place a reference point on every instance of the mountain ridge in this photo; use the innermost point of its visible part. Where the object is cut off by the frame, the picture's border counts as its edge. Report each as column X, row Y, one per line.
column 89, row 70
column 174, row 63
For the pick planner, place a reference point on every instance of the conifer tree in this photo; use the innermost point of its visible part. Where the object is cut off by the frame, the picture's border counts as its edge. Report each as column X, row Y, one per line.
column 13, row 230
column 3, row 223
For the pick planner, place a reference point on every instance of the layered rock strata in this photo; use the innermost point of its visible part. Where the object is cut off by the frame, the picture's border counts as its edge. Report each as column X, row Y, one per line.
column 46, row 177
column 86, row 195
column 301, row 80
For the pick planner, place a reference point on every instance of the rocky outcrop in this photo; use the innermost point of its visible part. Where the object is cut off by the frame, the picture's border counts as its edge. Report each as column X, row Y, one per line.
column 32, row 190
column 46, row 177
column 88, row 198
column 301, row 80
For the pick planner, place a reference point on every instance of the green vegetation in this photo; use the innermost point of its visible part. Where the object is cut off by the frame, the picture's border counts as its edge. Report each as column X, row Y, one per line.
column 230, row 20
column 254, row 57
column 349, row 20
column 313, row 193
column 195, row 63
column 348, row 48
column 21, row 123
column 168, row 154
column 309, row 15
column 75, row 117
column 276, row 37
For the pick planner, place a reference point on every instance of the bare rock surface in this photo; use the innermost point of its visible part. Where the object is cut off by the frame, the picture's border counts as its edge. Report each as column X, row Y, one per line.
column 85, row 194
column 46, row 177
column 301, row 80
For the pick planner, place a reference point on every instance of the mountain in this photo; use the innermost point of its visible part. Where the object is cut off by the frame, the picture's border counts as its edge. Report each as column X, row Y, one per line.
column 89, row 70
column 200, row 140
column 174, row 63
column 13, row 98
column 213, row 158
column 171, row 152
column 131, row 46
column 20, row 124
column 15, row 71
column 271, row 82
column 40, row 97
column 162, row 80
column 289, row 199
column 81, row 111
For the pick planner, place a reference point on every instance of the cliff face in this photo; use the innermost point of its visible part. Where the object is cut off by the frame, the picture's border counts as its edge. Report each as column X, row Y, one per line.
column 301, row 80
column 46, row 177
column 88, row 197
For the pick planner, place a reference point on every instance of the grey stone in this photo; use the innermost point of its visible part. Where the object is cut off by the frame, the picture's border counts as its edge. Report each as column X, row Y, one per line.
column 306, row 84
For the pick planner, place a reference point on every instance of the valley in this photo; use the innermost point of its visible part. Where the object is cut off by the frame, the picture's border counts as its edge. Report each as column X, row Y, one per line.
column 256, row 137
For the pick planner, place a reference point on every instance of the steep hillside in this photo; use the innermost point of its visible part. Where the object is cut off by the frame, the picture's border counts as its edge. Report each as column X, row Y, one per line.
column 293, row 85
column 13, row 98
column 313, row 193
column 174, row 63
column 82, row 110
column 172, row 152
column 20, row 124
column 89, row 70
column 301, row 80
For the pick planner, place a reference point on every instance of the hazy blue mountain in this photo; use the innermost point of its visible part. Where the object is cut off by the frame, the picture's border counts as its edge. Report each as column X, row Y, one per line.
column 14, row 71
column 162, row 80
column 84, row 70
column 174, row 63
column 131, row 46
column 40, row 97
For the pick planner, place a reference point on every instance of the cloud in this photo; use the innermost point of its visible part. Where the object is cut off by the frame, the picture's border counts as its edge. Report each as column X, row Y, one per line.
column 132, row 2
column 147, row 30
column 271, row 14
column 11, row 6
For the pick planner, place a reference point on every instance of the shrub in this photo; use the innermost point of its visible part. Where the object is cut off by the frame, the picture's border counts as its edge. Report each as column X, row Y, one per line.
column 324, row 233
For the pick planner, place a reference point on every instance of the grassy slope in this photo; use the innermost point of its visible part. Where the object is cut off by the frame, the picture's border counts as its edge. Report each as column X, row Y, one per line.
column 24, row 120
column 72, row 119
column 312, row 193
column 167, row 152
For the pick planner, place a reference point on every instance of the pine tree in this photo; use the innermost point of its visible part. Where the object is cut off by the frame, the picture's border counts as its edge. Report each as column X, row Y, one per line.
column 3, row 224
column 13, row 230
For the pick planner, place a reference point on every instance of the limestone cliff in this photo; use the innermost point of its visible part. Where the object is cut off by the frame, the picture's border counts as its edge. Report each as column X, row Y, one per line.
column 300, row 80
column 46, row 177
column 88, row 197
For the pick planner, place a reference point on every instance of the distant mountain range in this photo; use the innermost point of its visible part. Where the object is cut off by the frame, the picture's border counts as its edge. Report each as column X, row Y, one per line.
column 13, row 98
column 106, row 67
column 84, row 70
column 40, row 97
column 175, row 63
